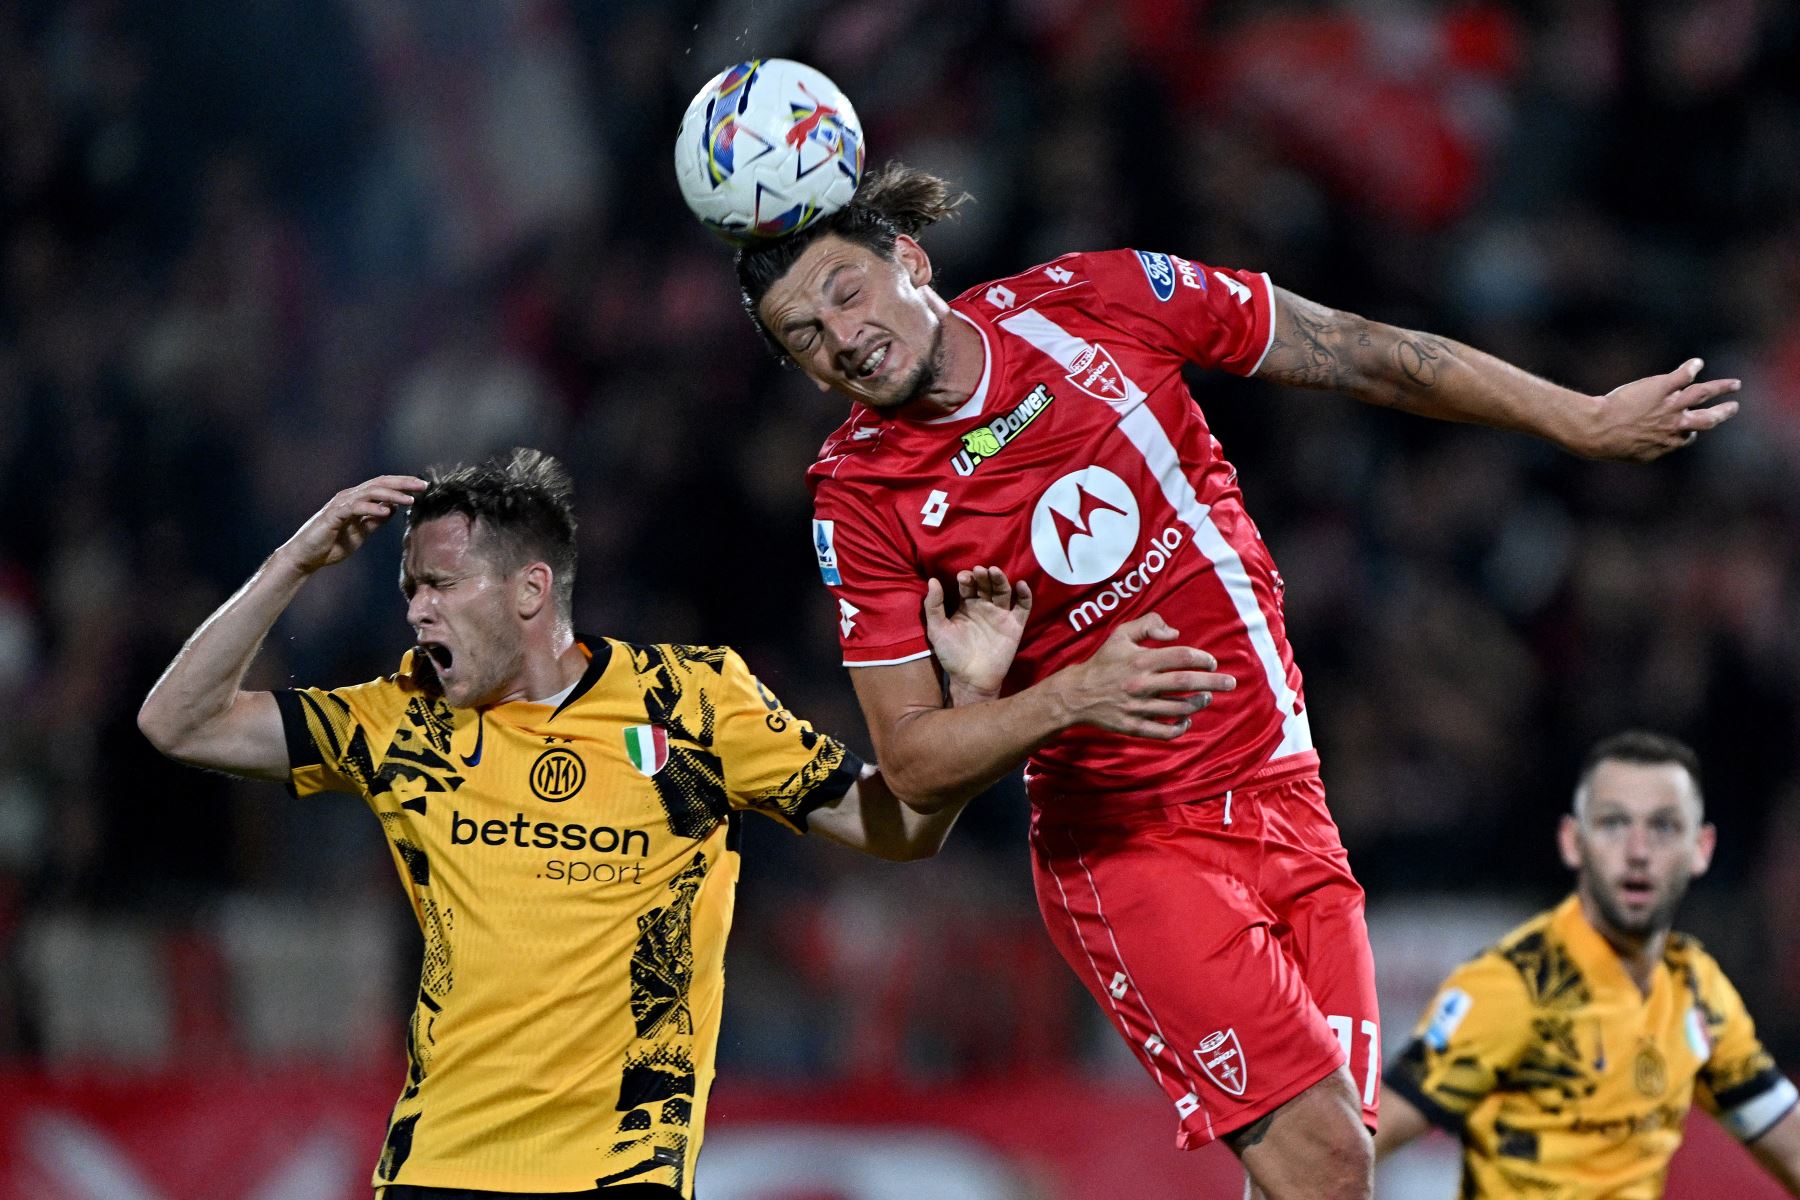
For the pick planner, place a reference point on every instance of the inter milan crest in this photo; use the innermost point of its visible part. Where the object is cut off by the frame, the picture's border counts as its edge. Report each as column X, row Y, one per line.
column 648, row 747
column 557, row 774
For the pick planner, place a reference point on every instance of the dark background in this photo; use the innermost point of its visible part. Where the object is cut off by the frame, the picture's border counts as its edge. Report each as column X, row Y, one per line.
column 253, row 253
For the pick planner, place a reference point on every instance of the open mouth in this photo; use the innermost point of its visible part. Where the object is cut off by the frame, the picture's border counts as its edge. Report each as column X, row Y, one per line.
column 873, row 363
column 1637, row 891
column 438, row 653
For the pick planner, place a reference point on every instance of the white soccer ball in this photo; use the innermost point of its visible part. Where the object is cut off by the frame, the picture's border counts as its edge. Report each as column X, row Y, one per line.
column 766, row 148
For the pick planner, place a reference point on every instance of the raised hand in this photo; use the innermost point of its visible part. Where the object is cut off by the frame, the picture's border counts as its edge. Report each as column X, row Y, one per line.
column 336, row 531
column 1646, row 418
column 1130, row 686
column 975, row 646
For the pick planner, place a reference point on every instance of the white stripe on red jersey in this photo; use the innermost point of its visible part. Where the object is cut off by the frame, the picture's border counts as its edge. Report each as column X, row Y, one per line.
column 1087, row 470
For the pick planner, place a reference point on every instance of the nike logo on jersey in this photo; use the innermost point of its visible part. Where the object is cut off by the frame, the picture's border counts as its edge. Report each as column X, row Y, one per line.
column 471, row 760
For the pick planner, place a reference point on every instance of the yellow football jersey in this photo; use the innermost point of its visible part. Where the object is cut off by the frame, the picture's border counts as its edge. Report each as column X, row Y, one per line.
column 573, row 870
column 1564, row 1081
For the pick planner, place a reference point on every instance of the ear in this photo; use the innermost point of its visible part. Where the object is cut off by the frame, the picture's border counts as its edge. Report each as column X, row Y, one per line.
column 1568, row 841
column 534, row 590
column 1704, row 845
column 913, row 260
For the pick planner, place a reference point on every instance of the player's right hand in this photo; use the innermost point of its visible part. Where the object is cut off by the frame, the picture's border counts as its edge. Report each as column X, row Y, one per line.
column 336, row 531
column 1643, row 420
column 1131, row 686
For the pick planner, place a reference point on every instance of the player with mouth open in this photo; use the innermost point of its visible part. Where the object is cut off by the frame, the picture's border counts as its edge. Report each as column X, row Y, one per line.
column 1193, row 878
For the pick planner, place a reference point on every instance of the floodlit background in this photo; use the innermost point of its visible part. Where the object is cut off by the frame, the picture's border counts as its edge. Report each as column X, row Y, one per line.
column 255, row 252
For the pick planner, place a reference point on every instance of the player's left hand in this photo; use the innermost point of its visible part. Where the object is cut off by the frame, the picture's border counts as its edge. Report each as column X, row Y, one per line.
column 976, row 645
column 1645, row 419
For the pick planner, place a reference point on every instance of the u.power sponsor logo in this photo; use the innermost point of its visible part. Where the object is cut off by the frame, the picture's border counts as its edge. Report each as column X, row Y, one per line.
column 1162, row 551
column 985, row 441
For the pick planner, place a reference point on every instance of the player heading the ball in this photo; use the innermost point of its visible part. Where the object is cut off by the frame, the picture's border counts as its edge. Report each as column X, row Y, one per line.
column 1196, row 882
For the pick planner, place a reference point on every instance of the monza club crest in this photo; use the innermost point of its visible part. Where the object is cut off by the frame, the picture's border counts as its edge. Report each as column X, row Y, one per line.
column 1222, row 1058
column 1097, row 373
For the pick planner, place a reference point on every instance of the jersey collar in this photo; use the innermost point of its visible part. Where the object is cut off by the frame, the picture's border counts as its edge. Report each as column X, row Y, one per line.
column 599, row 652
column 978, row 399
column 1595, row 957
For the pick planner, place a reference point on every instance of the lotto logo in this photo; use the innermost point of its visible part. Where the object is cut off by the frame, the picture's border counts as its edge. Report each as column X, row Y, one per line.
column 1238, row 291
column 1118, row 985
column 937, row 506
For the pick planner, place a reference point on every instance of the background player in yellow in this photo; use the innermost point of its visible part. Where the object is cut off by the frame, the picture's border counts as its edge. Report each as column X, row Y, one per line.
column 562, row 811
column 1566, row 1057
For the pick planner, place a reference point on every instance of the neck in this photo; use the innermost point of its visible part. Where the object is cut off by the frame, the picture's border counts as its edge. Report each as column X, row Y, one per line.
column 963, row 359
column 552, row 662
column 1638, row 952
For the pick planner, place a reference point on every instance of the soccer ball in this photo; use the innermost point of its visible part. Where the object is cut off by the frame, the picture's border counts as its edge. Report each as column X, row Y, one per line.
column 766, row 148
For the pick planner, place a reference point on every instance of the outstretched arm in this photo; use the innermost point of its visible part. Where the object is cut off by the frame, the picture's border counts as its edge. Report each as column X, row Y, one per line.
column 1319, row 347
column 198, row 712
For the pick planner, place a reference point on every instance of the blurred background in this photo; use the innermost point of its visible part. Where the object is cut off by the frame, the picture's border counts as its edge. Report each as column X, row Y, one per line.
column 255, row 252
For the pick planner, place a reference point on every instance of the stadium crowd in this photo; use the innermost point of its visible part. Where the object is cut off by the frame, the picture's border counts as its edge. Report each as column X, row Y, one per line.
column 253, row 254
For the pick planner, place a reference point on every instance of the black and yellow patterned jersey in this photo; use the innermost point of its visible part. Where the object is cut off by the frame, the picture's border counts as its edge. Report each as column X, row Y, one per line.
column 1565, row 1081
column 573, row 870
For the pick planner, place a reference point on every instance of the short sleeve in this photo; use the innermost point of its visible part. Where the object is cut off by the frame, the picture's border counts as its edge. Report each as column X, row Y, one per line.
column 1470, row 1036
column 328, row 739
column 878, row 591
column 1213, row 317
column 1739, row 1082
column 774, row 763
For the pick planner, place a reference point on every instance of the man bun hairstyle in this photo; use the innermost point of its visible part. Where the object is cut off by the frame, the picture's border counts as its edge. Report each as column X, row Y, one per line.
column 1643, row 748
column 521, row 509
column 894, row 200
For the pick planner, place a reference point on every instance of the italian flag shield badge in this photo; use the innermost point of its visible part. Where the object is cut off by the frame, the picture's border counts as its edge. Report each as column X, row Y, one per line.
column 648, row 746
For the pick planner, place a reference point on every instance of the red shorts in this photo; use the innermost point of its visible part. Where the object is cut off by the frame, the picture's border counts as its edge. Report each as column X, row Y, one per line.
column 1224, row 939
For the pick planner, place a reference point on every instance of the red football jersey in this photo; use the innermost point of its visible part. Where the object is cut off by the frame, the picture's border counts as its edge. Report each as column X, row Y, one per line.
column 1082, row 465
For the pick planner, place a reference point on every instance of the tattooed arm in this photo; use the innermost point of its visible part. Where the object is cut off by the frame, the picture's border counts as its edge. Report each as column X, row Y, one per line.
column 1319, row 347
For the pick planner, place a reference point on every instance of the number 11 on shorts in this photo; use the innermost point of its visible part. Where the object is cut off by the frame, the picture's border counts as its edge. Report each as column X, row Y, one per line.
column 1342, row 1026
